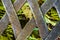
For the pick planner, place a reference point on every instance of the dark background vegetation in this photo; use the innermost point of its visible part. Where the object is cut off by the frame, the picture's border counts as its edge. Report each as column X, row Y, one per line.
column 51, row 18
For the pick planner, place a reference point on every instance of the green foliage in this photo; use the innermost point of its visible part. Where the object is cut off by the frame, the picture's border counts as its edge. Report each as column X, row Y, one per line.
column 2, row 10
column 23, row 10
column 12, row 1
column 1, row 6
column 50, row 17
column 35, row 35
column 7, row 34
column 33, row 38
column 3, row 38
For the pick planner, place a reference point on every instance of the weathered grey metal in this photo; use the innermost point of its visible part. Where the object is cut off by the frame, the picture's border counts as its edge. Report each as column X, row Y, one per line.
column 20, row 3
column 38, row 18
column 3, row 23
column 5, row 20
column 28, row 27
column 12, row 16
column 47, row 6
column 51, row 32
column 54, row 33
column 57, row 6
column 27, row 30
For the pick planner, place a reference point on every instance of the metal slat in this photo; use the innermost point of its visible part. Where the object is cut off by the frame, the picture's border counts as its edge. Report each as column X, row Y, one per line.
column 30, row 30
column 25, row 26
column 57, row 6
column 12, row 16
column 5, row 17
column 54, row 33
column 27, row 30
column 47, row 6
column 3, row 23
column 38, row 18
column 45, row 12
column 17, row 3
column 32, row 19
